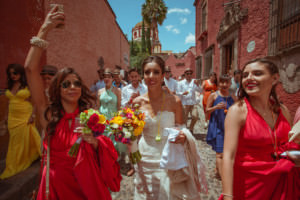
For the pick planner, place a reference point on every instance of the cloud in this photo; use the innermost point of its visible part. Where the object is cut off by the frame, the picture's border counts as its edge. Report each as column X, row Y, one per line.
column 183, row 20
column 179, row 10
column 175, row 30
column 190, row 38
column 169, row 27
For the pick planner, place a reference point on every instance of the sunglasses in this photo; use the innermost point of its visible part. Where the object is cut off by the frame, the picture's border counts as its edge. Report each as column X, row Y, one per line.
column 67, row 84
column 48, row 73
column 189, row 73
column 14, row 73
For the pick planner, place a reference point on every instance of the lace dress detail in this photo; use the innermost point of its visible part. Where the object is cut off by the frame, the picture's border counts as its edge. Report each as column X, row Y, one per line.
column 152, row 182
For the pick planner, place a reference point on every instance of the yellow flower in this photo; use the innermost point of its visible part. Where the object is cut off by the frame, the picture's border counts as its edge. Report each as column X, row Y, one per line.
column 102, row 119
column 117, row 120
column 141, row 124
column 128, row 110
column 138, row 131
column 142, row 116
column 135, row 120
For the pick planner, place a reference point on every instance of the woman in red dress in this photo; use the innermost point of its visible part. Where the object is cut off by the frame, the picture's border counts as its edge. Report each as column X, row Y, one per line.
column 256, row 133
column 209, row 86
column 94, row 170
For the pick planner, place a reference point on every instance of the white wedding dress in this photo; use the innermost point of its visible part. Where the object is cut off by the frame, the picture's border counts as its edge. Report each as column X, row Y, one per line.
column 152, row 182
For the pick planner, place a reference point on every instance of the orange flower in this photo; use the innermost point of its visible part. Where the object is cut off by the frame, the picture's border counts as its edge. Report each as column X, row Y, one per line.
column 128, row 121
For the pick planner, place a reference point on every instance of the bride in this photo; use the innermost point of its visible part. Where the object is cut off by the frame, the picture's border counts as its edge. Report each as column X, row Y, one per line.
column 162, row 110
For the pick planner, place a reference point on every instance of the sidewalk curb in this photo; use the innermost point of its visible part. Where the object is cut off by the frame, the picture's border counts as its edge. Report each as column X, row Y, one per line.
column 19, row 186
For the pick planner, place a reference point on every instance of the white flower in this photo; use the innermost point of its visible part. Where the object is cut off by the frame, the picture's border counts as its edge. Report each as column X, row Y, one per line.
column 115, row 126
column 127, row 134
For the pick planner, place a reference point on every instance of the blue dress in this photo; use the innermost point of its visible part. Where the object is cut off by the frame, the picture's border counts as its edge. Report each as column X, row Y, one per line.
column 215, row 132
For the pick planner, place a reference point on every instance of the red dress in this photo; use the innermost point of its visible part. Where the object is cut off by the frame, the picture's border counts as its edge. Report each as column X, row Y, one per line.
column 257, row 176
column 208, row 89
column 89, row 175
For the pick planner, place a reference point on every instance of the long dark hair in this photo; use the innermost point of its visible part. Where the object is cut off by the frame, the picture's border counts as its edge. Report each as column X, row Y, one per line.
column 273, row 69
column 215, row 75
column 55, row 110
column 156, row 59
column 19, row 69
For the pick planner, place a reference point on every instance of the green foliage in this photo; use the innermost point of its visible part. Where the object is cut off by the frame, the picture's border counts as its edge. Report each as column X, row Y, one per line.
column 143, row 37
column 135, row 48
column 154, row 12
column 148, row 41
column 137, row 60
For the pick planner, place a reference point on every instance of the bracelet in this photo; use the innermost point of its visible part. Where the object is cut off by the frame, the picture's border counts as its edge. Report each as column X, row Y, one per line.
column 227, row 195
column 38, row 42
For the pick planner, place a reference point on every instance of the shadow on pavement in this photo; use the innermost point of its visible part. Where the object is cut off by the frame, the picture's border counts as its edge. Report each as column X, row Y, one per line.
column 201, row 137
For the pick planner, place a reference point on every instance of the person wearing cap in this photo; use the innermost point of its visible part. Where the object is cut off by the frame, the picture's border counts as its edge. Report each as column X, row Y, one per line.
column 98, row 84
column 186, row 91
column 117, row 79
column 47, row 73
column 170, row 83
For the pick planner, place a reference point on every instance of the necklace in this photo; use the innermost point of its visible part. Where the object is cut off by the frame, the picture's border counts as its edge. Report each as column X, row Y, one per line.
column 274, row 140
column 158, row 137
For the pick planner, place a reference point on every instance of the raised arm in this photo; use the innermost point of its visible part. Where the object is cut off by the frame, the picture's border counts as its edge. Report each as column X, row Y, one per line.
column 234, row 120
column 209, row 107
column 32, row 62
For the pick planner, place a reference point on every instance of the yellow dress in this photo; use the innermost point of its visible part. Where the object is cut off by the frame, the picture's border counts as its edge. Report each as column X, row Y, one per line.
column 24, row 139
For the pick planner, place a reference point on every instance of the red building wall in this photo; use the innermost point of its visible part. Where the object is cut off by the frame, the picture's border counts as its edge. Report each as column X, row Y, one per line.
column 254, row 27
column 91, row 31
column 20, row 20
column 186, row 61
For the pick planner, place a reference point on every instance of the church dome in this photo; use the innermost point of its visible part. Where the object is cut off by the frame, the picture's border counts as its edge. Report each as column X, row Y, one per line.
column 139, row 25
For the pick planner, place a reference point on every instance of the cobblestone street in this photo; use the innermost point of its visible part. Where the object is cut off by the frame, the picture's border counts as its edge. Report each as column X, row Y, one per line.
column 207, row 155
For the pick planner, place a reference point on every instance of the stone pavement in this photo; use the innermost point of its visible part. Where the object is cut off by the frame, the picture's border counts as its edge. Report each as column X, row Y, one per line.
column 208, row 158
column 20, row 186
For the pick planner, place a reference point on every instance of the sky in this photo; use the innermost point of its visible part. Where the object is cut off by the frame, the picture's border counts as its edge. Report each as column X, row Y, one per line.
column 177, row 32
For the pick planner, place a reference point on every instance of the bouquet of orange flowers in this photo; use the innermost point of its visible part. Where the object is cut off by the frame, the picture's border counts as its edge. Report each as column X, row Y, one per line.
column 126, row 126
column 91, row 122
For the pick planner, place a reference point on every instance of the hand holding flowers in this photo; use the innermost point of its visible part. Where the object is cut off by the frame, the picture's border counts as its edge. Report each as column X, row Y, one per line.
column 126, row 126
column 92, row 124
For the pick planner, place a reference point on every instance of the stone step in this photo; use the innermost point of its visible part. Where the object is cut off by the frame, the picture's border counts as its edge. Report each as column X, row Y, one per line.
column 20, row 186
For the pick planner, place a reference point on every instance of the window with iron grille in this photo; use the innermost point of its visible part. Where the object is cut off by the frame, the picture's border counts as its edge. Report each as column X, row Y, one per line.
column 284, row 30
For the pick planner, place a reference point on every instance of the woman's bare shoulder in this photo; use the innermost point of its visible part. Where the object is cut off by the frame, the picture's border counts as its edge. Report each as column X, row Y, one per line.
column 100, row 91
column 238, row 111
column 286, row 113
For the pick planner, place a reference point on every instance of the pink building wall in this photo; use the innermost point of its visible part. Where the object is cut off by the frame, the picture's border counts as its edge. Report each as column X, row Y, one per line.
column 178, row 65
column 254, row 27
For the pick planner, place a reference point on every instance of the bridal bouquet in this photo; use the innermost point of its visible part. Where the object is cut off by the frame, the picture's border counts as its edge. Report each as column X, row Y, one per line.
column 126, row 126
column 90, row 122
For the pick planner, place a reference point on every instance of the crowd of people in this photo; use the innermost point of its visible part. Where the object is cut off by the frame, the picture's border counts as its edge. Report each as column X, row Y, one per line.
column 248, row 129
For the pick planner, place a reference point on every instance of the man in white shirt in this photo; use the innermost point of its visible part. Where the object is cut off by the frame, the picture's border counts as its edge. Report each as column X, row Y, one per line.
column 129, row 93
column 100, row 83
column 134, row 89
column 170, row 83
column 235, row 82
column 186, row 91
